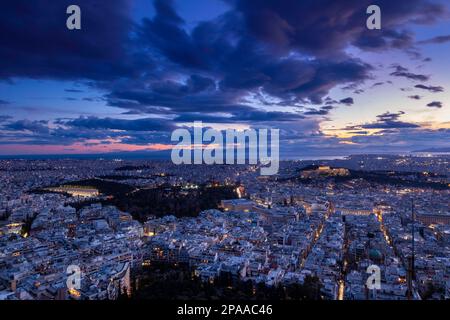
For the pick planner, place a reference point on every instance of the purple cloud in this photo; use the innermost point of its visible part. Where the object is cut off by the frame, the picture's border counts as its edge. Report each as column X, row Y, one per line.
column 433, row 89
column 435, row 104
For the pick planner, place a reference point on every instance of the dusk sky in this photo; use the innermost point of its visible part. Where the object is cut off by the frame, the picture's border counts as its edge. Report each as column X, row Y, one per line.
column 137, row 70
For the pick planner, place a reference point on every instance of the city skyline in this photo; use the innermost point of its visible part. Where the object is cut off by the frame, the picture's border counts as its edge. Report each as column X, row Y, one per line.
column 365, row 227
column 137, row 70
column 224, row 157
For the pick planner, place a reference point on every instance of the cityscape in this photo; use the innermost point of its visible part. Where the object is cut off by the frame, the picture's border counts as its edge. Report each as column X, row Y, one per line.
column 317, row 224
column 242, row 152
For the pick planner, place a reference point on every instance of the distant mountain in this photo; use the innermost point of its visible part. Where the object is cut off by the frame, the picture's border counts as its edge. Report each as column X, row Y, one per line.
column 129, row 155
column 445, row 149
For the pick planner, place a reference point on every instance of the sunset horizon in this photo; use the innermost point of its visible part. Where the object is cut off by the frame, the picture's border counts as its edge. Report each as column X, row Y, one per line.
column 155, row 67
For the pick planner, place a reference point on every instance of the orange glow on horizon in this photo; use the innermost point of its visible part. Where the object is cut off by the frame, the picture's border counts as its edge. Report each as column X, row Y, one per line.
column 80, row 148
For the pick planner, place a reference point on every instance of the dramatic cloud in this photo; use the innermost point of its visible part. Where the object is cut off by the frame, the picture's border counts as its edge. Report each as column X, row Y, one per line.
column 41, row 45
column 415, row 97
column 27, row 125
column 436, row 40
column 147, row 124
column 227, row 50
column 93, row 131
column 376, row 84
column 327, row 27
column 245, row 49
column 435, row 104
column 388, row 120
column 403, row 72
column 430, row 88
column 390, row 125
column 253, row 116
column 395, row 141
column 347, row 101
column 388, row 116
column 4, row 118
column 320, row 112
column 261, row 63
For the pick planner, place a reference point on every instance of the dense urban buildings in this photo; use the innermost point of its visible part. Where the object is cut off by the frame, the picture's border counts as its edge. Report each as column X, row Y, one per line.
column 329, row 220
column 237, row 153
